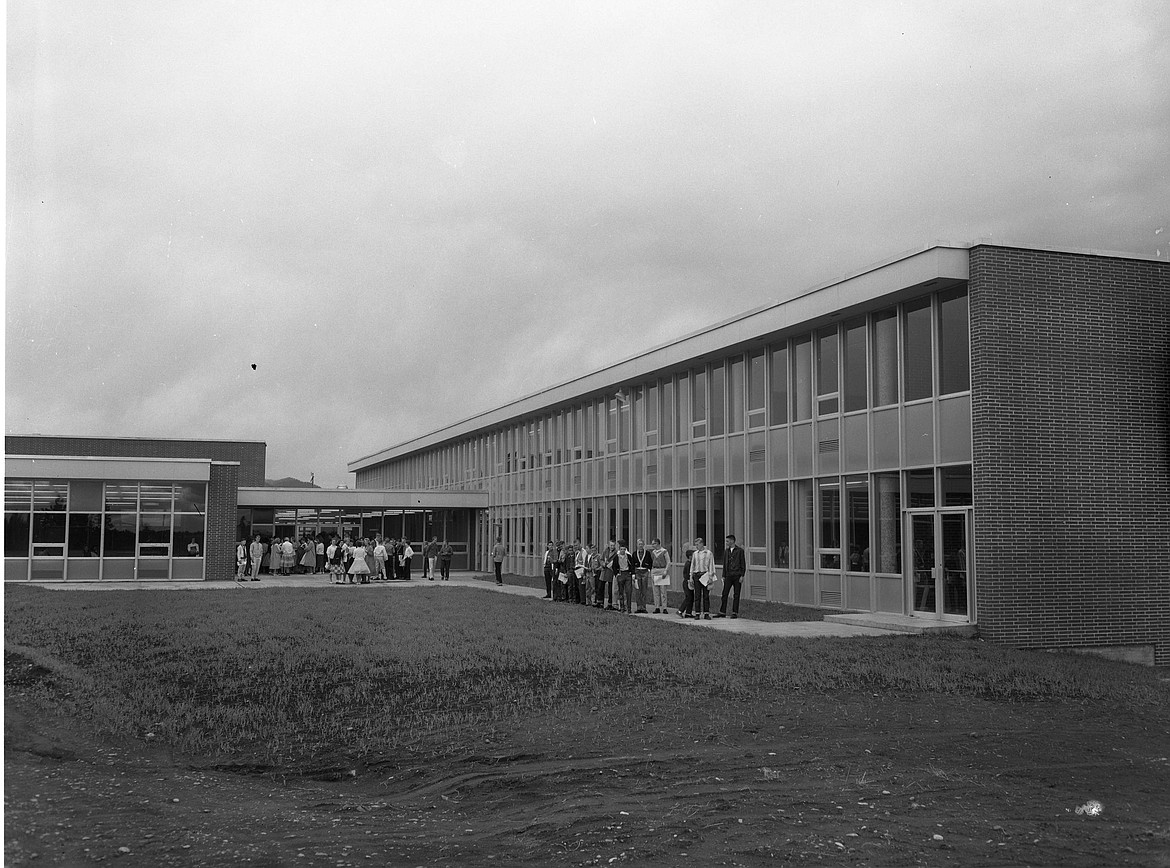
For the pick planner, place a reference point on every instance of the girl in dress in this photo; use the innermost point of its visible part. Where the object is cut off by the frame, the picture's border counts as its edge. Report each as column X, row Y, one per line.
column 359, row 567
column 309, row 558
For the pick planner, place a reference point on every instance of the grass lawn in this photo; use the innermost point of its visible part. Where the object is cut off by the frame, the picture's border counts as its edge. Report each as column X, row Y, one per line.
column 392, row 726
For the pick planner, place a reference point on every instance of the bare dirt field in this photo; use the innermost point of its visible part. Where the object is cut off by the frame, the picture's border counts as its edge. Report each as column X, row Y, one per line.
column 624, row 770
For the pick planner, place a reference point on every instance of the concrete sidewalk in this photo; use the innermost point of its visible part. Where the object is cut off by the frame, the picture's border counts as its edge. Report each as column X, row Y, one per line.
column 467, row 580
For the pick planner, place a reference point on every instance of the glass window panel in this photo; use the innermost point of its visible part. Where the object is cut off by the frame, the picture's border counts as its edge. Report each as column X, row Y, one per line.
column 956, row 486
column 48, row 527
column 48, row 570
column 802, row 449
column 85, row 535
column 624, row 425
column 855, row 443
column 857, row 524
column 802, row 379
column 887, row 540
column 919, row 488
column 155, row 498
column 735, row 398
column 778, row 545
column 85, row 495
column 18, row 495
column 699, row 507
column 886, row 438
column 118, row 541
column 954, row 429
column 778, row 394
column 855, row 355
column 805, row 549
column 50, row 495
column 953, row 342
column 718, row 525
column 668, row 423
column 884, row 363
column 188, row 529
column 716, row 427
column 152, row 566
column 683, row 394
column 652, row 416
column 192, row 497
column 830, row 524
column 918, row 433
column 756, row 386
column 16, row 537
column 828, row 371
column 84, row 569
column 121, row 497
column 757, row 534
column 916, row 365
column 699, row 403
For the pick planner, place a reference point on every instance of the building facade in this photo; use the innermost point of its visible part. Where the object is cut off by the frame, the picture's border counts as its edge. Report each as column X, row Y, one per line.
column 972, row 434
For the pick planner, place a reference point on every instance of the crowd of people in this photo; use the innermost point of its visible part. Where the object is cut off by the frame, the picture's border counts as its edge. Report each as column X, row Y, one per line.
column 576, row 573
column 616, row 578
column 345, row 560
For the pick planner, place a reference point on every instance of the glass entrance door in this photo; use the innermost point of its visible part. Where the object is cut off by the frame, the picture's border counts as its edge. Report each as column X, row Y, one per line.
column 940, row 563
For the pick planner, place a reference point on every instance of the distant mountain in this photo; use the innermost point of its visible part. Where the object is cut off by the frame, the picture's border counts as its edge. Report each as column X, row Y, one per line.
column 289, row 482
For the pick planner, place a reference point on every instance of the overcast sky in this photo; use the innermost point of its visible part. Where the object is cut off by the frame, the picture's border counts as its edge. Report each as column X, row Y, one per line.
column 405, row 213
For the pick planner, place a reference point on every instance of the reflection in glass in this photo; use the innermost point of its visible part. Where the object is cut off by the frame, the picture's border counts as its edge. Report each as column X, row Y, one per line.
column 192, row 497
column 16, row 537
column 48, row 527
column 155, row 498
column 955, row 563
column 779, row 546
column 917, row 368
column 188, row 530
column 854, row 386
column 50, row 495
column 119, row 537
column 857, row 518
column 954, row 342
column 85, row 535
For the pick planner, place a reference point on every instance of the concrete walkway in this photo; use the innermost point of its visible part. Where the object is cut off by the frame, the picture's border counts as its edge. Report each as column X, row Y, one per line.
column 467, row 580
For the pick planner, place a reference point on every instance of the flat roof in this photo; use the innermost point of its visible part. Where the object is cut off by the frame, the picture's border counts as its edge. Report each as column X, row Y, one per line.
column 933, row 267
column 363, row 498
column 146, row 439
column 111, row 468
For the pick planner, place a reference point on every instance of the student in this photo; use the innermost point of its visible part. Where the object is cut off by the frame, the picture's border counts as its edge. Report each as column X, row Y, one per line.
column 660, row 575
column 643, row 561
column 591, row 562
column 405, row 553
column 359, row 567
column 499, row 552
column 431, row 557
column 550, row 569
column 379, row 561
column 605, row 578
column 734, row 568
column 703, row 574
column 241, row 558
column 688, row 605
column 446, row 553
column 256, row 553
column 623, row 570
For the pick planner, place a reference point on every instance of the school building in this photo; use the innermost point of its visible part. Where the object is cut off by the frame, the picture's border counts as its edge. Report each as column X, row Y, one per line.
column 973, row 434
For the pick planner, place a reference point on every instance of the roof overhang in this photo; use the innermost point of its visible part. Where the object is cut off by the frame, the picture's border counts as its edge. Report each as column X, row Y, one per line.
column 931, row 269
column 84, row 467
column 360, row 498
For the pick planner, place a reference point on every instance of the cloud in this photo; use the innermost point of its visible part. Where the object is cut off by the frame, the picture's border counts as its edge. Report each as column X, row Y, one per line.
column 407, row 213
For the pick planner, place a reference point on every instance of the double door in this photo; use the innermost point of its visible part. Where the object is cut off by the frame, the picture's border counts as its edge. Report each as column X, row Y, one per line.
column 940, row 563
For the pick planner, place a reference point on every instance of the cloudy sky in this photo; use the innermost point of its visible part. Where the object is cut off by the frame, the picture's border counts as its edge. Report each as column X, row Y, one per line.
column 403, row 213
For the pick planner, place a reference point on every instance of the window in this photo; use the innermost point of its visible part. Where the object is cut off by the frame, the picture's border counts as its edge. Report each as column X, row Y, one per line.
column 16, row 533
column 857, row 524
column 155, row 498
column 828, row 373
column 85, row 535
column 699, row 404
column 638, row 417
column 805, row 548
column 668, row 421
column 829, row 548
column 652, row 416
column 956, row 486
column 854, row 380
column 716, row 426
column 884, row 362
column 119, row 538
column 778, row 397
column 778, row 545
column 954, row 352
column 919, row 488
column 802, row 379
column 887, row 539
column 756, row 415
column 916, row 364
column 684, row 409
column 735, row 396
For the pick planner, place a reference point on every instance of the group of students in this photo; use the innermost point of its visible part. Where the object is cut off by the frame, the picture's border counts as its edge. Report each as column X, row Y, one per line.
column 575, row 573
column 345, row 560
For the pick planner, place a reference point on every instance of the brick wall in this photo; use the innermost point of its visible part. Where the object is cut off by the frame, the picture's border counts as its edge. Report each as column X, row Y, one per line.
column 250, row 454
column 222, row 500
column 1070, row 359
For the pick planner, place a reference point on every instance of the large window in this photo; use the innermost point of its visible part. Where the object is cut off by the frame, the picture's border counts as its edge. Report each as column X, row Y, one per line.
column 715, row 424
column 829, row 548
column 884, row 358
column 756, row 405
column 652, row 416
column 887, row 537
column 953, row 342
column 699, row 404
column 668, row 421
column 779, row 544
column 735, row 412
column 828, row 373
column 857, row 524
column 802, row 381
column 805, row 547
column 854, row 379
column 917, row 368
column 778, row 397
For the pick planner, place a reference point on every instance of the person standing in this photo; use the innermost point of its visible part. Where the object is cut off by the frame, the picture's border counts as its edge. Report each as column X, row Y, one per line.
column 431, row 555
column 320, row 555
column 359, row 567
column 703, row 574
column 550, row 569
column 605, row 578
column 405, row 554
column 643, row 561
column 241, row 559
column 734, row 568
column 391, row 559
column 380, row 561
column 309, row 558
column 256, row 553
column 446, row 554
column 499, row 552
column 660, row 575
column 288, row 556
column 623, row 570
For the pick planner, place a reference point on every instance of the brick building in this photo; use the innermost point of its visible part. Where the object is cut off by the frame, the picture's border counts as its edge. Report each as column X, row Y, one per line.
column 975, row 435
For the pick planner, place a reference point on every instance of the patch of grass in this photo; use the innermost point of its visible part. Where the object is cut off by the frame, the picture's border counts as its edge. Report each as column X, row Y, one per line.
column 290, row 676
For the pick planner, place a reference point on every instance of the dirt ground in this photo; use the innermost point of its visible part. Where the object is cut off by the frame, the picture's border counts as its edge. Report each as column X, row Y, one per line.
column 854, row 779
